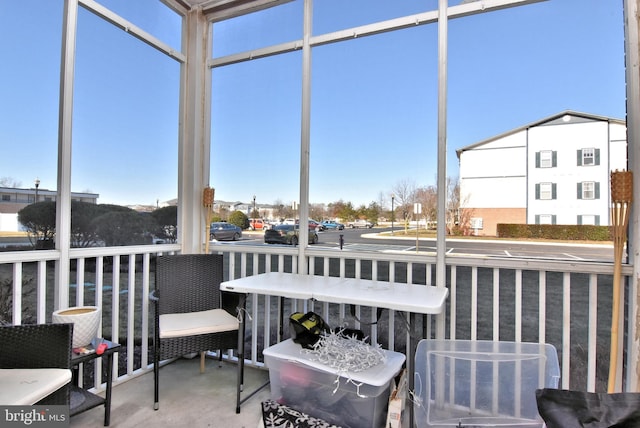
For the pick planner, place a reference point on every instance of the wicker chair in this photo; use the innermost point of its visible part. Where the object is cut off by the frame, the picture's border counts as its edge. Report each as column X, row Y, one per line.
column 38, row 346
column 189, row 315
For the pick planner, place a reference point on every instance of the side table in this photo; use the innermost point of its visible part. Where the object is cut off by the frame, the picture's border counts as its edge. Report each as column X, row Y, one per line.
column 81, row 399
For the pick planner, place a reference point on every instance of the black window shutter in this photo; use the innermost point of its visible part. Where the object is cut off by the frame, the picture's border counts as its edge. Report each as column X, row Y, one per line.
column 579, row 157
column 579, row 219
column 537, row 219
column 597, row 220
column 553, row 219
column 579, row 190
column 597, row 157
column 553, row 191
column 537, row 190
column 597, row 190
column 537, row 159
column 554, row 158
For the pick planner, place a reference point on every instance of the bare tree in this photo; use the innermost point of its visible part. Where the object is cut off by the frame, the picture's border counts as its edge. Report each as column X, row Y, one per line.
column 9, row 182
column 317, row 211
column 404, row 193
column 428, row 197
column 458, row 219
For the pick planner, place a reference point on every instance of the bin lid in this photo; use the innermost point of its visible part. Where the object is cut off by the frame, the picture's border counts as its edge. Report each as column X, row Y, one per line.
column 378, row 375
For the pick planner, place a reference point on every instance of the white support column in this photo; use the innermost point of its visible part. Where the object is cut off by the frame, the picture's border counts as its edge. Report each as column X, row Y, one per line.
column 305, row 143
column 63, row 192
column 441, row 245
column 194, row 131
column 632, row 65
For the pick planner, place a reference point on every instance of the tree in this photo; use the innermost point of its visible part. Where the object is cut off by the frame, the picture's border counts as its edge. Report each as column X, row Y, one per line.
column 404, row 192
column 342, row 210
column 167, row 220
column 316, row 211
column 428, row 197
column 240, row 219
column 83, row 229
column 372, row 212
column 9, row 182
column 458, row 219
column 40, row 221
column 118, row 228
column 278, row 210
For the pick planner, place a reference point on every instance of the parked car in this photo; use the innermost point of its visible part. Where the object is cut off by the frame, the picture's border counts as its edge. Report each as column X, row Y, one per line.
column 332, row 225
column 287, row 234
column 258, row 224
column 319, row 227
column 225, row 232
column 360, row 223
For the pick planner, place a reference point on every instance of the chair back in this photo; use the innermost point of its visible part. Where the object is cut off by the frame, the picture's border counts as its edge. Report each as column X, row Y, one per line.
column 188, row 282
column 36, row 346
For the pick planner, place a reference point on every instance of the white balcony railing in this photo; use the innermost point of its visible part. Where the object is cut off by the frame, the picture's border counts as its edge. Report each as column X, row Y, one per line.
column 565, row 303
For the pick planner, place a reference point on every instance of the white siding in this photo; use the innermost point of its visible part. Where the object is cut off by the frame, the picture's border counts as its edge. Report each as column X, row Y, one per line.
column 496, row 192
column 503, row 173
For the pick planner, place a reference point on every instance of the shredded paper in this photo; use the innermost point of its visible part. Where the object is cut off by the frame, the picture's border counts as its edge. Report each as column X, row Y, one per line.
column 345, row 354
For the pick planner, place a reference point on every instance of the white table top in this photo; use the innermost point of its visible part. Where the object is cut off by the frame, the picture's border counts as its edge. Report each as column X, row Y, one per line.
column 424, row 299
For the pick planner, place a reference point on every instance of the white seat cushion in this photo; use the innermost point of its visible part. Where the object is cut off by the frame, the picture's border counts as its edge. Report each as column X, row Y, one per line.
column 193, row 323
column 24, row 387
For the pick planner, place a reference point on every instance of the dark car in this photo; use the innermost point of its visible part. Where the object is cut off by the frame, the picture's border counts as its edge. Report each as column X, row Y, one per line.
column 225, row 232
column 332, row 225
column 287, row 234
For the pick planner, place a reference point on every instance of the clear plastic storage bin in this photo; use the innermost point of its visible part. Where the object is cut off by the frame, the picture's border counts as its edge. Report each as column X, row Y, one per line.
column 481, row 383
column 353, row 400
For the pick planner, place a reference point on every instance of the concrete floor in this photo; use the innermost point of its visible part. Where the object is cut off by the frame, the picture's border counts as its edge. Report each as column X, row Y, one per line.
column 187, row 399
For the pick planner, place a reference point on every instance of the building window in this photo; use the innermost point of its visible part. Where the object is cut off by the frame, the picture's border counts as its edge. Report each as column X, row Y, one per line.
column 589, row 190
column 546, row 191
column 6, row 198
column 545, row 219
column 588, row 157
column 589, row 219
column 546, row 159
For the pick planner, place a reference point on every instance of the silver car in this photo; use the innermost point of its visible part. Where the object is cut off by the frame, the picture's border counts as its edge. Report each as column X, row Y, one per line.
column 225, row 232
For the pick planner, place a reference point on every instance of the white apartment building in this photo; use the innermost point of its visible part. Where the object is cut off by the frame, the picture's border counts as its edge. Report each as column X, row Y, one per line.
column 553, row 171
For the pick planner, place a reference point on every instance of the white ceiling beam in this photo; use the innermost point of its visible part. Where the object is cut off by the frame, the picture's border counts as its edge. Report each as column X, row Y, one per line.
column 219, row 10
column 123, row 24
column 453, row 12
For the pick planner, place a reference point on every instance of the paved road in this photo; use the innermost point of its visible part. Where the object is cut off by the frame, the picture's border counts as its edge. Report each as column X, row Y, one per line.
column 371, row 240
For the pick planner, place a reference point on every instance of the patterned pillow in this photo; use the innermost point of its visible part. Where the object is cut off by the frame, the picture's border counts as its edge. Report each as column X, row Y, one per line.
column 275, row 415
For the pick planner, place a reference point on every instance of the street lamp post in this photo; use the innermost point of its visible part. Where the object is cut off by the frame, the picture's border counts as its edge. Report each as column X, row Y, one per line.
column 253, row 214
column 37, row 183
column 393, row 214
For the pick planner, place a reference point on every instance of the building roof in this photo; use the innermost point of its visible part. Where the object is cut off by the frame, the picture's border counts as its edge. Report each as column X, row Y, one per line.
column 46, row 192
column 559, row 117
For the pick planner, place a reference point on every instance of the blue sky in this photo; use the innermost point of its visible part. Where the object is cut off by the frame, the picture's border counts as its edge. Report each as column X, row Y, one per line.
column 374, row 99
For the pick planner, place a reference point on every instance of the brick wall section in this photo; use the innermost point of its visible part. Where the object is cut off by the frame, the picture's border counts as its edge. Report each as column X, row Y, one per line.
column 492, row 216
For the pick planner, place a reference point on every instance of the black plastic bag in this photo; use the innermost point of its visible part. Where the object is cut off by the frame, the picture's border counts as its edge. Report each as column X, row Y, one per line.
column 576, row 409
column 306, row 328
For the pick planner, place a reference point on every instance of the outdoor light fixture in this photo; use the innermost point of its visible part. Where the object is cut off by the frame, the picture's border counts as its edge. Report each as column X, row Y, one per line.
column 37, row 183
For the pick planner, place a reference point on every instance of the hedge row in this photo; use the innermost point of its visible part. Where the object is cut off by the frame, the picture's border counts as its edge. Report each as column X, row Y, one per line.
column 566, row 232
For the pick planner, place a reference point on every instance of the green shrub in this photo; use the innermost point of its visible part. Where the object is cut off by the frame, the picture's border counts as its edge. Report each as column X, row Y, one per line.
column 565, row 232
column 240, row 219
